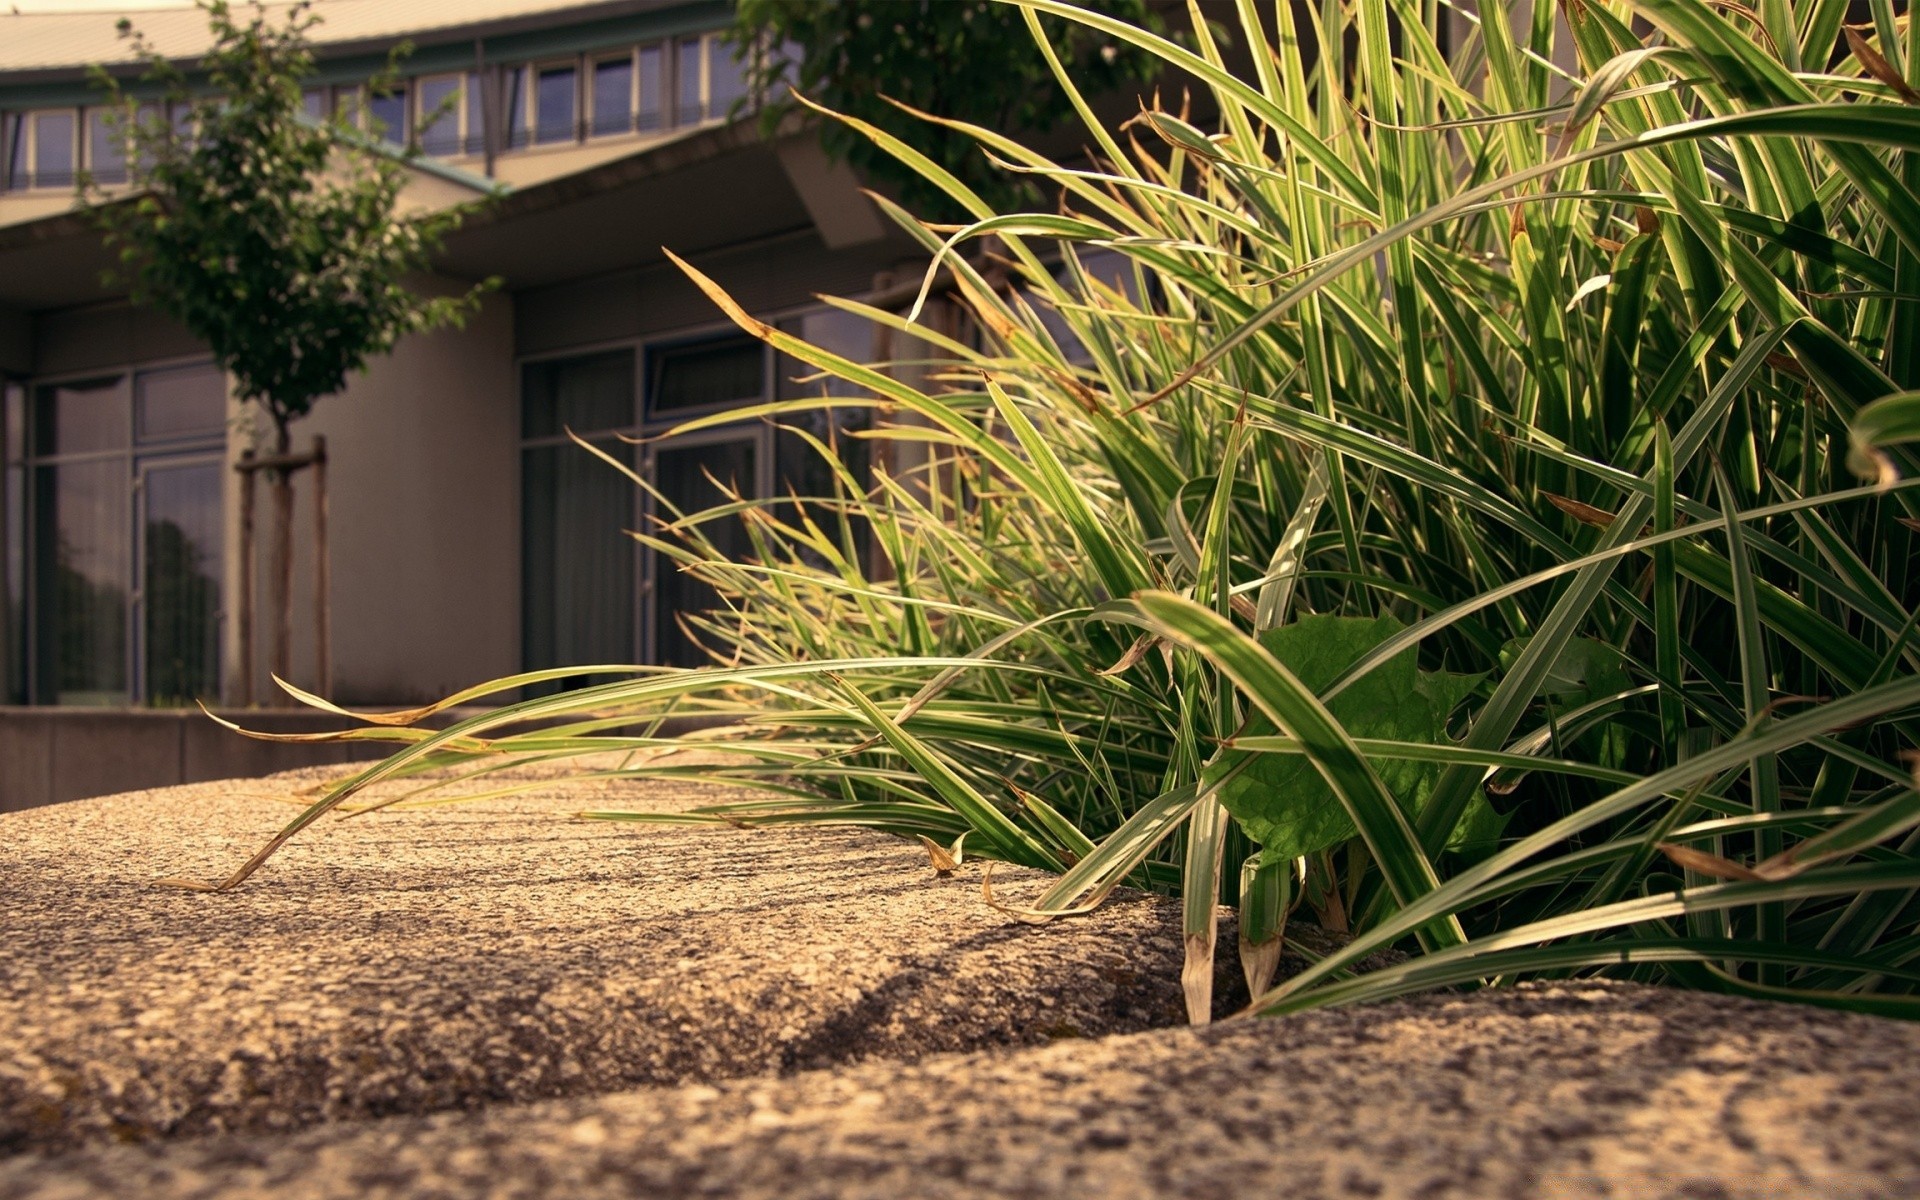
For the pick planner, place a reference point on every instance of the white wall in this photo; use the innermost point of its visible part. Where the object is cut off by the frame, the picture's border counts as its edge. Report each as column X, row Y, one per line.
column 424, row 522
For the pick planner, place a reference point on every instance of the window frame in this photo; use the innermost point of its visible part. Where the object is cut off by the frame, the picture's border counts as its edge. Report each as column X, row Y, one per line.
column 136, row 456
column 456, row 114
column 630, row 123
column 535, row 69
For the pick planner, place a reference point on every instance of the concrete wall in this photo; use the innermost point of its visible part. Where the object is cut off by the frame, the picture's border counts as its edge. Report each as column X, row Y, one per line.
column 53, row 754
column 424, row 513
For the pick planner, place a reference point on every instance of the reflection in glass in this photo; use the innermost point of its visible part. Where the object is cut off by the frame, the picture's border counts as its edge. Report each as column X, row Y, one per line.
column 181, row 583
column 180, row 402
column 81, row 417
column 577, row 561
column 82, row 552
column 681, row 473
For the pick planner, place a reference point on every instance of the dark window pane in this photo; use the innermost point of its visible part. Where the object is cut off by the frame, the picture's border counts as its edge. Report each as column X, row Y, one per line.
column 681, row 473
column 799, row 466
column 53, row 149
column 440, row 116
column 726, row 78
column 588, row 395
column 389, row 113
column 476, row 142
column 13, row 132
column 181, row 568
column 106, row 147
column 652, row 88
column 81, row 576
column 704, row 374
column 613, row 96
column 182, row 402
column 513, row 106
column 558, row 94
column 577, row 560
column 15, row 427
column 314, row 101
column 13, row 545
column 74, row 418
column 13, row 688
column 687, row 109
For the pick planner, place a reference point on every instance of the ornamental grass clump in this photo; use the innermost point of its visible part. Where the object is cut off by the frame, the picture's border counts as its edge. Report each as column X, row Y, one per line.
column 1405, row 488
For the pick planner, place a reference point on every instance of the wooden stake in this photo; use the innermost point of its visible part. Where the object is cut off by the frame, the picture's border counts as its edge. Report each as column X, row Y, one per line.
column 245, row 467
column 322, row 572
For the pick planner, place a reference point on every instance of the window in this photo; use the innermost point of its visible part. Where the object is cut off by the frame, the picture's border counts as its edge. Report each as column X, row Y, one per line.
column 13, row 542
column 689, row 86
column 651, row 92
column 726, row 79
column 387, row 112
column 54, row 149
column 349, row 105
column 578, row 571
column 476, row 128
column 706, row 374
column 123, row 487
column 556, row 97
column 106, row 146
column 613, row 96
column 314, row 101
column 513, row 106
column 439, row 117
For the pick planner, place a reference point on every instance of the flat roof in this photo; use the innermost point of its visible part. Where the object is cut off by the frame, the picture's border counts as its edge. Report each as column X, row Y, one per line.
column 37, row 40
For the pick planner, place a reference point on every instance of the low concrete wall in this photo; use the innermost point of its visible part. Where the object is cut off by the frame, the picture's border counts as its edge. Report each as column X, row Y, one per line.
column 53, row 754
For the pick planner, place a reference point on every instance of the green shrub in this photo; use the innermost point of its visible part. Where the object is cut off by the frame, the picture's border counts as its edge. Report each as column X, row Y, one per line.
column 1442, row 516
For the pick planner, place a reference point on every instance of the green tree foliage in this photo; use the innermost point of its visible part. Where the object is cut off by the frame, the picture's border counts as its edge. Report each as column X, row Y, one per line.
column 271, row 237
column 969, row 60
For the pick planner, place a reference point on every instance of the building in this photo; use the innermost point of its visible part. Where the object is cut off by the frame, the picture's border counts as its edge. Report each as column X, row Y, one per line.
column 469, row 538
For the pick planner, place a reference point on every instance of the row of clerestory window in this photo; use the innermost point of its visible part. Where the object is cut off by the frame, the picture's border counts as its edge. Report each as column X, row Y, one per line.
column 648, row 88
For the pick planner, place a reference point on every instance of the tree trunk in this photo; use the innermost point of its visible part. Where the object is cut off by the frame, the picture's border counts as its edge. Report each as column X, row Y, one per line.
column 281, row 572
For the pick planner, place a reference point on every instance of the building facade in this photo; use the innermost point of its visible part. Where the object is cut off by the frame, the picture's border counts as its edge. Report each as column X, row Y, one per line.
column 469, row 536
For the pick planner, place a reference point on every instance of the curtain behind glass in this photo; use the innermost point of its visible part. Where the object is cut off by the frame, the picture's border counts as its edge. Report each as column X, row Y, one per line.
column 577, row 559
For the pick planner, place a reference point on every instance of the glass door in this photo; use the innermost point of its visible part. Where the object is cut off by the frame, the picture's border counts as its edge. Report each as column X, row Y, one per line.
column 178, row 599
column 690, row 474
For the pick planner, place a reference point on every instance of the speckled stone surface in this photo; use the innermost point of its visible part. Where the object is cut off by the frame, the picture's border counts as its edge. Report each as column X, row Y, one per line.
column 1541, row 1093
column 407, row 962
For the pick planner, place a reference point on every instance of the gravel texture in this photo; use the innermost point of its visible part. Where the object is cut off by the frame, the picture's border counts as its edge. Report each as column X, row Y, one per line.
column 450, row 957
column 1582, row 1090
column 492, row 1000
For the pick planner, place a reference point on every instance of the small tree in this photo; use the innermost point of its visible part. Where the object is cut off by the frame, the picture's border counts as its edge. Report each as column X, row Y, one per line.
column 272, row 237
